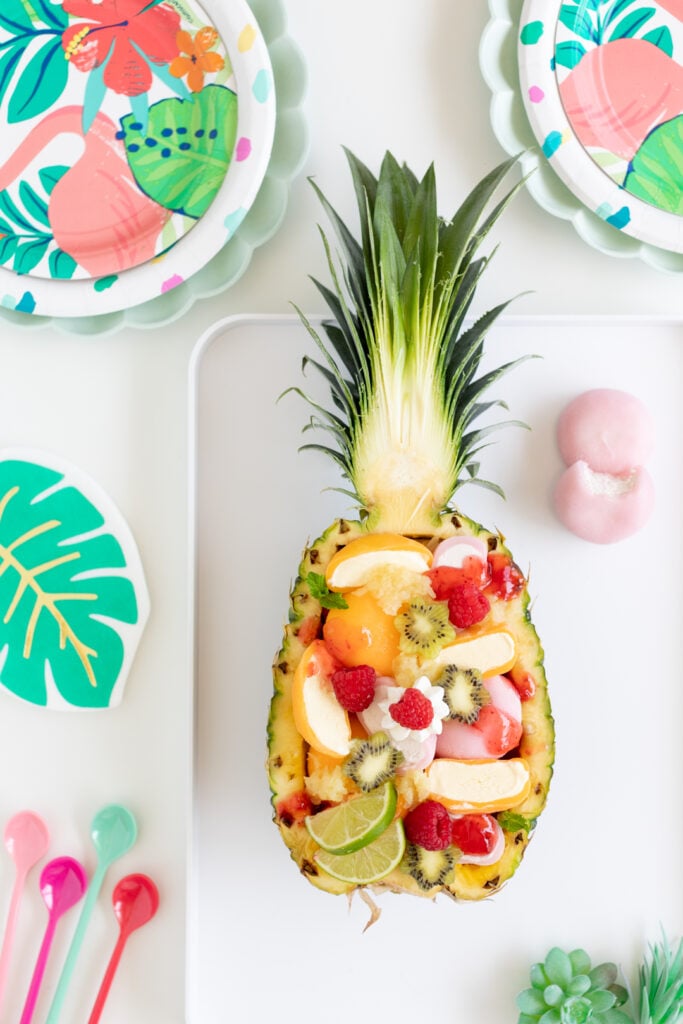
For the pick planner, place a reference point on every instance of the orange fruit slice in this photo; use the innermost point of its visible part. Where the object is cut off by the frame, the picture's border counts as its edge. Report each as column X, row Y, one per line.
column 318, row 715
column 351, row 567
column 479, row 787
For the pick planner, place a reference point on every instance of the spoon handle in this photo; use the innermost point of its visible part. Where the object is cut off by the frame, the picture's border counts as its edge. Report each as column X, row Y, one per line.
column 38, row 972
column 107, row 979
column 10, row 929
column 75, row 947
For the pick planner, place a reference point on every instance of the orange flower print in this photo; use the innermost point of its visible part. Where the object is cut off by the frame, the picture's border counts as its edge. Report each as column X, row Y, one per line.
column 196, row 57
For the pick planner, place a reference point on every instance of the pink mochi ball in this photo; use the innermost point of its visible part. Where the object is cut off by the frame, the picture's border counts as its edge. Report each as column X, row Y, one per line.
column 602, row 508
column 610, row 430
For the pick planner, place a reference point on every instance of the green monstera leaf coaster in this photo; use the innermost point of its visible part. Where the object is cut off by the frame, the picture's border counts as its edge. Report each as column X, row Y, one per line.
column 73, row 598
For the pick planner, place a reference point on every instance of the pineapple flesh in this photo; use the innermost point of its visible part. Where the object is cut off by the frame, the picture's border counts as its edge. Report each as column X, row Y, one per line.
column 402, row 363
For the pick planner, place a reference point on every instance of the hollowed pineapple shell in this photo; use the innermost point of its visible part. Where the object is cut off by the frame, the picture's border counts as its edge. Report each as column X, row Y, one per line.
column 288, row 751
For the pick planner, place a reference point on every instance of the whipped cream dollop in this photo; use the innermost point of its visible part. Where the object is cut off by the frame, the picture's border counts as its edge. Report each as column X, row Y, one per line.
column 417, row 745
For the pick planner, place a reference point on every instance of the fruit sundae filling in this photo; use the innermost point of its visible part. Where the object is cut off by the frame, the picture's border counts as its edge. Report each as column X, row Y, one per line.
column 404, row 693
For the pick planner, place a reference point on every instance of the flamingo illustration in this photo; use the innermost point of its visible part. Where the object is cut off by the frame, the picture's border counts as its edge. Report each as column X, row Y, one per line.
column 97, row 212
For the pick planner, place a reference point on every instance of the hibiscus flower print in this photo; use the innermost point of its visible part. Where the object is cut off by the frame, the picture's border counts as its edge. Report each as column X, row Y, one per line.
column 126, row 36
column 197, row 58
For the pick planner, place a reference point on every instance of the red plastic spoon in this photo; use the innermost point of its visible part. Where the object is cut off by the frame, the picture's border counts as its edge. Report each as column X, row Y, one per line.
column 136, row 901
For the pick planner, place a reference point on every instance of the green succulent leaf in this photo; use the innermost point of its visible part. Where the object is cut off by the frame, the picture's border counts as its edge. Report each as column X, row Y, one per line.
column 580, row 961
column 579, row 984
column 531, row 1001
column 553, row 995
column 539, row 979
column 603, row 975
column 181, row 155
column 601, row 999
column 558, row 967
column 72, row 593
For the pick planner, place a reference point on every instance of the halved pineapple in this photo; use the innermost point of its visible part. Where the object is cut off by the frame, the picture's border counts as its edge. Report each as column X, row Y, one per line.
column 402, row 369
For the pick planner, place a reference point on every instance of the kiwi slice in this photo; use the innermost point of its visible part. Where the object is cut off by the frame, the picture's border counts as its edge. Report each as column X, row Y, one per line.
column 424, row 628
column 429, row 867
column 372, row 762
column 464, row 693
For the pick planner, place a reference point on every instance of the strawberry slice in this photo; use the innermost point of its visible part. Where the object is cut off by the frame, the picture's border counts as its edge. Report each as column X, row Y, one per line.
column 474, row 833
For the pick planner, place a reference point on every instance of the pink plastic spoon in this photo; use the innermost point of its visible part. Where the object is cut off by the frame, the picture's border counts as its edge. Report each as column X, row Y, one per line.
column 27, row 840
column 62, row 884
column 136, row 901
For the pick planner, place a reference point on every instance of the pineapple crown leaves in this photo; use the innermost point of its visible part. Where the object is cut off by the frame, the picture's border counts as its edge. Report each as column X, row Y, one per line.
column 401, row 366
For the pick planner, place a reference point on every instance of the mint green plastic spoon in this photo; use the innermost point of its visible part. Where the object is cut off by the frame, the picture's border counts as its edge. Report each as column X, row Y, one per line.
column 113, row 832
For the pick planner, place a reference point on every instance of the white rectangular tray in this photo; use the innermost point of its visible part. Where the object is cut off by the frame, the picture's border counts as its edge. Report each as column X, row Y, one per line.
column 603, row 869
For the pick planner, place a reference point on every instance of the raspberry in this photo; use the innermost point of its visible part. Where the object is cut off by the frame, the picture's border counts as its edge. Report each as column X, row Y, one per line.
column 428, row 825
column 354, row 688
column 467, row 605
column 413, row 710
column 474, row 833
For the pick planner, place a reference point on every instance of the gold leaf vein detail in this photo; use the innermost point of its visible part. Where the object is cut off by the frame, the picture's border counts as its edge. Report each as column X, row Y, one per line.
column 44, row 601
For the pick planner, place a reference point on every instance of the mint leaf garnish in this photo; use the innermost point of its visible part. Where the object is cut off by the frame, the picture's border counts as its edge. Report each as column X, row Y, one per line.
column 320, row 591
column 515, row 822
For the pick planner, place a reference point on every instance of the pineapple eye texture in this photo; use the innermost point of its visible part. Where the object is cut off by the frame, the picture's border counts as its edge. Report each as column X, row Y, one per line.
column 412, row 598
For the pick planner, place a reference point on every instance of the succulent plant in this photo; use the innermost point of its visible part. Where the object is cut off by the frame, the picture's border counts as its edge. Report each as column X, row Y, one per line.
column 567, row 990
column 661, row 985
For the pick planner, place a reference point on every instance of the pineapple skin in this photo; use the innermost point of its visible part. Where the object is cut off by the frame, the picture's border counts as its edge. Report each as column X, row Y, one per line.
column 287, row 750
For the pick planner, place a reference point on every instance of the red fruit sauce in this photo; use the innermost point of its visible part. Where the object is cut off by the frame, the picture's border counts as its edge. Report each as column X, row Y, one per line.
column 502, row 733
column 444, row 578
column 507, row 579
column 294, row 808
column 524, row 683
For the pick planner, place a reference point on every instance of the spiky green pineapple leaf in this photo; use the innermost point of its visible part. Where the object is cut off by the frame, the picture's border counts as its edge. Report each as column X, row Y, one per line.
column 401, row 366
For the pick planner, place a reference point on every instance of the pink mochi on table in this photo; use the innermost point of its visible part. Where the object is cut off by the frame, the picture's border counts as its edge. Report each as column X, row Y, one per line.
column 602, row 508
column 612, row 431
column 605, row 494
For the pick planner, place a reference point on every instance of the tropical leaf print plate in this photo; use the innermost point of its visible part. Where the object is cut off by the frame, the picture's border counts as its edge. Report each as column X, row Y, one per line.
column 602, row 84
column 135, row 134
column 73, row 599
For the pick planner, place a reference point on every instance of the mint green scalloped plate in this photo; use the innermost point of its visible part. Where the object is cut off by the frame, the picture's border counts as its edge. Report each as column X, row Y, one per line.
column 499, row 66
column 290, row 147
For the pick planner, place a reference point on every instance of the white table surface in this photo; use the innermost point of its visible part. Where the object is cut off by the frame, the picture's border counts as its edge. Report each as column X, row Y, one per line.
column 386, row 74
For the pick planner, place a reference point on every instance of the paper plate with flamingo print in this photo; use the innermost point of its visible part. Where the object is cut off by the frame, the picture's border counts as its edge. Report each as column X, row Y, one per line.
column 602, row 84
column 136, row 134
